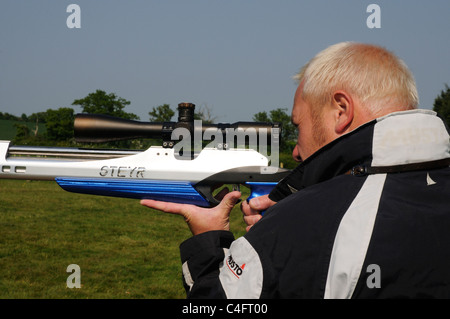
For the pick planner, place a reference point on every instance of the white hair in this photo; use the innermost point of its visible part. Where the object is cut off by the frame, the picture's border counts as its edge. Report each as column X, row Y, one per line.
column 378, row 78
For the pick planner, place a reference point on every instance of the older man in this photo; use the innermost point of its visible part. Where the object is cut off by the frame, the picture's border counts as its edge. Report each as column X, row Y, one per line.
column 365, row 214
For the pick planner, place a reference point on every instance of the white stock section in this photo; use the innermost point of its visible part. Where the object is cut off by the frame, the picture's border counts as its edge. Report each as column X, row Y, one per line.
column 155, row 163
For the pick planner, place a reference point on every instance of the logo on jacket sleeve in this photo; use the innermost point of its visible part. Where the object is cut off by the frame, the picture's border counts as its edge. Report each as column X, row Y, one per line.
column 234, row 267
column 237, row 281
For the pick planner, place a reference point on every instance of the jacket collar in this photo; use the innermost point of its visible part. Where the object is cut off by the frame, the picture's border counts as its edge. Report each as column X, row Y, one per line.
column 396, row 139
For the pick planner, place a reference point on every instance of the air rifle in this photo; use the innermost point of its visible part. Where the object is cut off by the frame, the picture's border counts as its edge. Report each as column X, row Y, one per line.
column 181, row 170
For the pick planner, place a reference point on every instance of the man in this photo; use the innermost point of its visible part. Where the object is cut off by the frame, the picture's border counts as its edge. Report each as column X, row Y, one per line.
column 366, row 213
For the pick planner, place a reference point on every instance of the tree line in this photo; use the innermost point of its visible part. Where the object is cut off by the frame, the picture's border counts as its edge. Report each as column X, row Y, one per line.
column 59, row 123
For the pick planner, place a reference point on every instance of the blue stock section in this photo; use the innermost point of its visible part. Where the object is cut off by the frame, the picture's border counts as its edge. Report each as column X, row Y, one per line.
column 259, row 189
column 168, row 191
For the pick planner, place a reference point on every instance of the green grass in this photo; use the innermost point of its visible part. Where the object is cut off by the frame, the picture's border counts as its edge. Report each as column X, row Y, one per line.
column 124, row 250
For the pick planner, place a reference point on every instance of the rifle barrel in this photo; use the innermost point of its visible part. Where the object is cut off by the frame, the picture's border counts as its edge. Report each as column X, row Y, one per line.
column 67, row 152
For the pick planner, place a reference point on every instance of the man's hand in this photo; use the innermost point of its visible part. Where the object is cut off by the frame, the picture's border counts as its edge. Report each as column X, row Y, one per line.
column 252, row 210
column 200, row 219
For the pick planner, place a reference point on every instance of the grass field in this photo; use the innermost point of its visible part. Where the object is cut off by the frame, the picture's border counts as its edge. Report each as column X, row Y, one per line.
column 124, row 250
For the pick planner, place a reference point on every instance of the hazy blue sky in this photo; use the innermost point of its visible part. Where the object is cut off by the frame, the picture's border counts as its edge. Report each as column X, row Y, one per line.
column 237, row 57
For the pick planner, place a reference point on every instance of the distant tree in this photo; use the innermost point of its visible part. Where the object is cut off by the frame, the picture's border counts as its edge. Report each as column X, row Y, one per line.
column 288, row 131
column 205, row 114
column 7, row 116
column 161, row 113
column 39, row 117
column 24, row 137
column 100, row 102
column 59, row 129
column 22, row 133
column 261, row 117
column 59, row 124
column 442, row 104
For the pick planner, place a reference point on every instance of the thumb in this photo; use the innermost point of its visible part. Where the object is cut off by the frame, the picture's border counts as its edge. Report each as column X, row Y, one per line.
column 261, row 202
column 229, row 200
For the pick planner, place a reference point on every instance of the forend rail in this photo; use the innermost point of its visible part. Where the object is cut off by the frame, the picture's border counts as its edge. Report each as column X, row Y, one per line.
column 67, row 152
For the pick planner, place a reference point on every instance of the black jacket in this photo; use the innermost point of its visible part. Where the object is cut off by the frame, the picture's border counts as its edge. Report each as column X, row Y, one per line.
column 367, row 216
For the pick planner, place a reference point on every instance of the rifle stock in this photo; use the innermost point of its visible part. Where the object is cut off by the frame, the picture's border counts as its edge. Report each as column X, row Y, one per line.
column 156, row 173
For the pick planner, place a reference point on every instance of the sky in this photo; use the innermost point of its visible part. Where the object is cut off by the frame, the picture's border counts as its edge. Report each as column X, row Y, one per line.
column 235, row 57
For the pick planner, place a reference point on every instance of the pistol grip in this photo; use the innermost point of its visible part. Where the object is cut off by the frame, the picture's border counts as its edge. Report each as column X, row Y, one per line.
column 259, row 189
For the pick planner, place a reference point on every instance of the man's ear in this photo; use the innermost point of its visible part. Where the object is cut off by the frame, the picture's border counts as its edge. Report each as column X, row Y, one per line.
column 344, row 111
